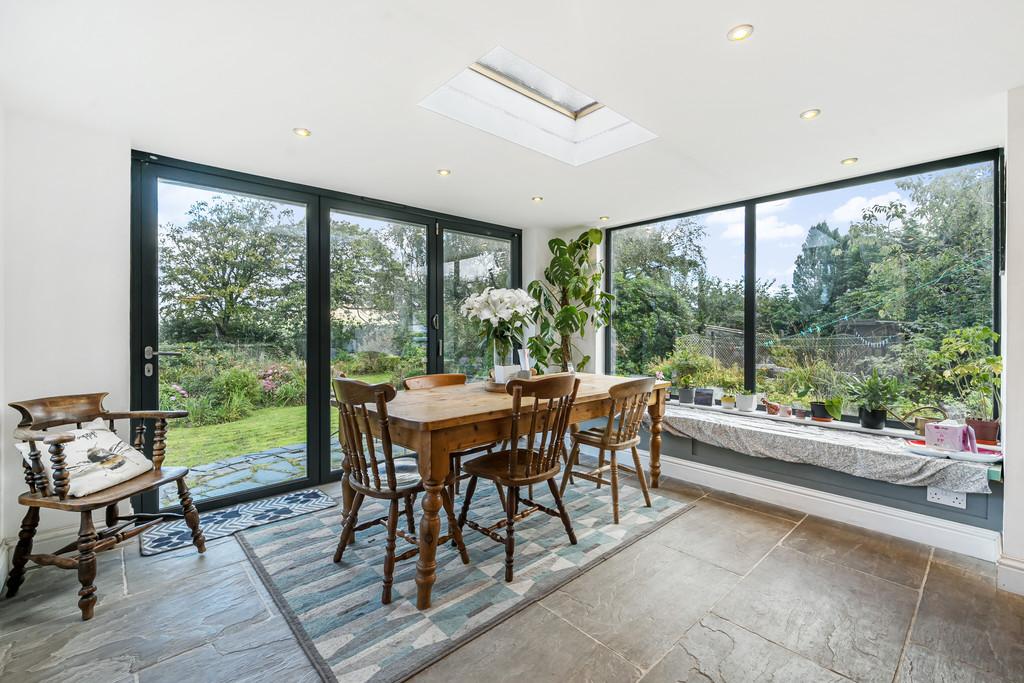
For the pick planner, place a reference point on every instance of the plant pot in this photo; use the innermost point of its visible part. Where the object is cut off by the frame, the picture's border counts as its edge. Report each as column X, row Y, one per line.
column 819, row 412
column 686, row 394
column 704, row 397
column 872, row 419
column 985, row 431
column 729, row 401
column 747, row 402
column 800, row 411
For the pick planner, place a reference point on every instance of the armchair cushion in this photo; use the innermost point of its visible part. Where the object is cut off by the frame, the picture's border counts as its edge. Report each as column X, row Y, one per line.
column 97, row 459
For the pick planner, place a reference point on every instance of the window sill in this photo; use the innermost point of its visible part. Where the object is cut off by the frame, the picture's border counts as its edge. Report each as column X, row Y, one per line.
column 844, row 447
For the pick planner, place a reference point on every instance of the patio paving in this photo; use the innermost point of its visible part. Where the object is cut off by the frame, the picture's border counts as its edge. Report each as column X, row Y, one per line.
column 247, row 471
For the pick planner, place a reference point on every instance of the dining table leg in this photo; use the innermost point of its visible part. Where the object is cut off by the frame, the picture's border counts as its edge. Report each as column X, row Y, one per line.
column 434, row 468
column 657, row 412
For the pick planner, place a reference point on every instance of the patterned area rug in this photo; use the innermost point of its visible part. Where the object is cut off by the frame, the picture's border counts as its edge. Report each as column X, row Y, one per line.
column 224, row 522
column 335, row 609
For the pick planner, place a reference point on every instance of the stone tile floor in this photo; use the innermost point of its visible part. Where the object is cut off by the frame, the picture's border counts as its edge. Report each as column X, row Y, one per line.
column 734, row 590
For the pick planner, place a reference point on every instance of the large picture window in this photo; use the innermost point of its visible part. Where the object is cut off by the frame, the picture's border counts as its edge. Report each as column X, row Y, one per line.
column 851, row 277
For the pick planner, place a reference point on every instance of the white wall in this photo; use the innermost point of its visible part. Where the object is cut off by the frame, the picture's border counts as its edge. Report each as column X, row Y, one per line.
column 65, row 292
column 1011, row 565
column 4, row 425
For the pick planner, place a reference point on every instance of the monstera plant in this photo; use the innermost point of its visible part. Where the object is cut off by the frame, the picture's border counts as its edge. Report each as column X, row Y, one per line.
column 569, row 298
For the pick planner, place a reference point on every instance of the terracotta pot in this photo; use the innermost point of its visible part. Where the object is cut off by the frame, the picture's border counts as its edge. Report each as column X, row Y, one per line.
column 985, row 431
column 872, row 419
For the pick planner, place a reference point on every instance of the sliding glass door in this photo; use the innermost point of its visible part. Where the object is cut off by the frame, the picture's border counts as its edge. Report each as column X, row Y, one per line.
column 472, row 262
column 378, row 300
column 249, row 295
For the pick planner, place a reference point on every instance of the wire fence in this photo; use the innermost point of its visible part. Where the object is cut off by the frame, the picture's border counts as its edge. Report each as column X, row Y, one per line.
column 840, row 350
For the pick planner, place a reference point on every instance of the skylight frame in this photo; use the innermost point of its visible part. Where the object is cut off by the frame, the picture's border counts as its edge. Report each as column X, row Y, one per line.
column 525, row 90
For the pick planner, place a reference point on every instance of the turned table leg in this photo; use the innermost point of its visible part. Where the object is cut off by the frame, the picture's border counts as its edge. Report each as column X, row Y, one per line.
column 437, row 465
column 86, row 566
column 657, row 412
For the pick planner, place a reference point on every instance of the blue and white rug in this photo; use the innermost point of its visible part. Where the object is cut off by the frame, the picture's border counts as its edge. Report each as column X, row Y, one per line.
column 335, row 609
column 230, row 520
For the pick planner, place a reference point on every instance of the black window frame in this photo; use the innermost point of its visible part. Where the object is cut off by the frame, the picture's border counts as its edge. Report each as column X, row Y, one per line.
column 147, row 168
column 994, row 156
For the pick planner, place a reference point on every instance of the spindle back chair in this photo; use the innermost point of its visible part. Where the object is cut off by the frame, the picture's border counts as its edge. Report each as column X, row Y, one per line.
column 378, row 473
column 540, row 418
column 620, row 432
column 448, row 380
column 75, row 410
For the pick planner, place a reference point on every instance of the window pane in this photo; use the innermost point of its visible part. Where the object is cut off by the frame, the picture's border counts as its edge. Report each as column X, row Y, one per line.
column 872, row 277
column 232, row 302
column 471, row 264
column 678, row 284
column 378, row 302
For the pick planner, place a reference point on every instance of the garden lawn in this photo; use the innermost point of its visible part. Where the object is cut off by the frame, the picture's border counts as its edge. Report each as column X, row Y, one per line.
column 265, row 428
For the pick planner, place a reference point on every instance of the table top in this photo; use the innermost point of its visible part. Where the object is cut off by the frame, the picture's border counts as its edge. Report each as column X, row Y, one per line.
column 432, row 409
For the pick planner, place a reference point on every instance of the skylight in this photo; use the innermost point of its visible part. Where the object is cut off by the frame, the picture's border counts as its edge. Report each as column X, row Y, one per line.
column 507, row 96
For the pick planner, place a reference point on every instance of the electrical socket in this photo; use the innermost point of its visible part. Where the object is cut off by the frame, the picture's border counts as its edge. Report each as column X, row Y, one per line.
column 954, row 499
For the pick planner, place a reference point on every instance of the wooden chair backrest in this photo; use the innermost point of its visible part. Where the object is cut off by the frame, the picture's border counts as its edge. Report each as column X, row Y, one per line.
column 629, row 405
column 56, row 411
column 548, row 419
column 356, row 432
column 432, row 381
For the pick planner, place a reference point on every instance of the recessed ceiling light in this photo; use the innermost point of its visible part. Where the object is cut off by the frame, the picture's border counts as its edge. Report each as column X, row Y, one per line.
column 810, row 114
column 537, row 198
column 849, row 161
column 741, row 32
column 444, row 171
column 302, row 132
column 604, row 218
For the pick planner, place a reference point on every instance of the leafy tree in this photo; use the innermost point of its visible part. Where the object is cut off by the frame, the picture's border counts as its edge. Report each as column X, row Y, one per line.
column 231, row 270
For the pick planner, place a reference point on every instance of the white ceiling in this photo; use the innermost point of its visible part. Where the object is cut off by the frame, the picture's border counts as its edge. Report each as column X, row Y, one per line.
column 224, row 83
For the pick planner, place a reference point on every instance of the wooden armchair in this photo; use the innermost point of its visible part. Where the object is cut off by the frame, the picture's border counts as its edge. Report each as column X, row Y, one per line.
column 37, row 416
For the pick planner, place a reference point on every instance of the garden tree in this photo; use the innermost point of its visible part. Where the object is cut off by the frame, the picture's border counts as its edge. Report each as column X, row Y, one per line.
column 814, row 276
column 654, row 283
column 366, row 281
column 230, row 272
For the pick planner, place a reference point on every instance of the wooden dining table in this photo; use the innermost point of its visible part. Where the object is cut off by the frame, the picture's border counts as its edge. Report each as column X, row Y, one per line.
column 435, row 422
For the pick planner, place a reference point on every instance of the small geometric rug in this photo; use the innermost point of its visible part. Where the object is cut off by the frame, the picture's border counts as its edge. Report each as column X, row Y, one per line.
column 226, row 521
column 335, row 610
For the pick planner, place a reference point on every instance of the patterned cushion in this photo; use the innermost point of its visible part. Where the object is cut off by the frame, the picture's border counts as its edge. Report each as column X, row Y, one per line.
column 97, row 459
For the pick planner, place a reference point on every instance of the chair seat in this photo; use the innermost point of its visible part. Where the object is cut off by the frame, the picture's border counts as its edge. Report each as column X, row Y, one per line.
column 495, row 466
column 595, row 437
column 101, row 499
column 407, row 479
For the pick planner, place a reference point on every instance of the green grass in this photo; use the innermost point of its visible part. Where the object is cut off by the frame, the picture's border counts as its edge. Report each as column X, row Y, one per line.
column 265, row 428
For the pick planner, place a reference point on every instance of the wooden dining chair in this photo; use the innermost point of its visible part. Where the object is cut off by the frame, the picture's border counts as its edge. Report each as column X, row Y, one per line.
column 379, row 474
column 55, row 493
column 620, row 432
column 447, row 380
column 540, row 426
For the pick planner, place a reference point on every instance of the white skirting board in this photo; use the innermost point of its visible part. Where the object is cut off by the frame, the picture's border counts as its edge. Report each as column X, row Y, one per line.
column 962, row 538
column 1010, row 574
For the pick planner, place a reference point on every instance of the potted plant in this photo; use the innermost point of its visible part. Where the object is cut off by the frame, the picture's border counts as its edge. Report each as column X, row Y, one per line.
column 570, row 300
column 967, row 362
column 746, row 401
column 874, row 393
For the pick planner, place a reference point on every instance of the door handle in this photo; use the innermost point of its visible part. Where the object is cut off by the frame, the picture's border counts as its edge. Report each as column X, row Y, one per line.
column 435, row 321
column 149, row 354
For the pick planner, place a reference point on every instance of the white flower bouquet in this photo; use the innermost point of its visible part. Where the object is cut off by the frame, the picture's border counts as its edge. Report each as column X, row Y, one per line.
column 502, row 314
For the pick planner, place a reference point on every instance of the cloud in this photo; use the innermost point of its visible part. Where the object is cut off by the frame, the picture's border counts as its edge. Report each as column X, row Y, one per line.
column 853, row 209
column 769, row 208
column 769, row 229
column 727, row 216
